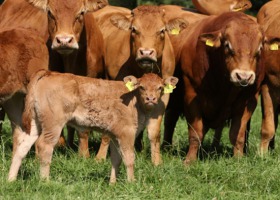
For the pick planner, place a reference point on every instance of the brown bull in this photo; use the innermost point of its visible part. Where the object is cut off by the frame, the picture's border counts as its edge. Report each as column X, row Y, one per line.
column 216, row 7
column 222, row 68
column 79, row 101
column 268, row 17
column 76, row 44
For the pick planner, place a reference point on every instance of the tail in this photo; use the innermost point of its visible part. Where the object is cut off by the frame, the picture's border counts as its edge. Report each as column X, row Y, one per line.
column 29, row 110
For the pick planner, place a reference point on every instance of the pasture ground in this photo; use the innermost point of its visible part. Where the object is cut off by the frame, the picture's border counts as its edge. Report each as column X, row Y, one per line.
column 215, row 176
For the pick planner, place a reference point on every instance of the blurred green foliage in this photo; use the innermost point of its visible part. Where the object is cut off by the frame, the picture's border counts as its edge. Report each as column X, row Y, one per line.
column 186, row 3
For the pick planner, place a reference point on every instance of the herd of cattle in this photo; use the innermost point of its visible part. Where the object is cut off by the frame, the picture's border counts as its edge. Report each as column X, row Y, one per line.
column 93, row 66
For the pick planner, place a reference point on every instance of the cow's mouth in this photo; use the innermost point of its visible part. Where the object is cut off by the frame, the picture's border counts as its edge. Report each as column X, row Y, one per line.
column 146, row 63
column 64, row 50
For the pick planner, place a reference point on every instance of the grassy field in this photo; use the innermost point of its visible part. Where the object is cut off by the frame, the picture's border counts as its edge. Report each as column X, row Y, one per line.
column 215, row 176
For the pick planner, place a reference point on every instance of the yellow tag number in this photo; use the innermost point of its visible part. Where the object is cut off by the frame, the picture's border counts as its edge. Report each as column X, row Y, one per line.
column 209, row 43
column 175, row 31
column 168, row 89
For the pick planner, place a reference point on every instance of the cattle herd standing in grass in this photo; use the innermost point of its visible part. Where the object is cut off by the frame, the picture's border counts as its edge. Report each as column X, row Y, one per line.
column 222, row 58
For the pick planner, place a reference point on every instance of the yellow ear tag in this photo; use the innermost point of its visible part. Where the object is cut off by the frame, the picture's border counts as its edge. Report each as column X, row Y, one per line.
column 168, row 89
column 209, row 43
column 129, row 86
column 237, row 9
column 175, row 31
column 273, row 47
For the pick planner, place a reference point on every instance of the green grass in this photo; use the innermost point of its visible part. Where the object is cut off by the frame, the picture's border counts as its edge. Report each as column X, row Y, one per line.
column 215, row 176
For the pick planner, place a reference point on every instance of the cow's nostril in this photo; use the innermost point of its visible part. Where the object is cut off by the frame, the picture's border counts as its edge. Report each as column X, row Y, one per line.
column 58, row 40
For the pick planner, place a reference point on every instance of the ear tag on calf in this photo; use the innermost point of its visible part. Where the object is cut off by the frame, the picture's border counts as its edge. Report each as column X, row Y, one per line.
column 168, row 89
column 209, row 43
column 175, row 31
column 129, row 86
column 273, row 47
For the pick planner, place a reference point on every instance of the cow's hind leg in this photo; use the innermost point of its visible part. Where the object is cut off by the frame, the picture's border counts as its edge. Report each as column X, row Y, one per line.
column 46, row 143
column 103, row 149
column 24, row 141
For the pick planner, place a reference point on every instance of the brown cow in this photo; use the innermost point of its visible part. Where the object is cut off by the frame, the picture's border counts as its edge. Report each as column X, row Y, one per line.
column 22, row 54
column 222, row 69
column 135, row 43
column 268, row 17
column 79, row 101
column 76, row 44
column 216, row 7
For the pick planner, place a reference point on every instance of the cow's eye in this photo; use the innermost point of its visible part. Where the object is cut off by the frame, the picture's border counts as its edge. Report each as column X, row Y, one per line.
column 141, row 88
column 134, row 30
column 80, row 16
column 258, row 52
column 228, row 48
column 50, row 15
column 160, row 88
column 161, row 32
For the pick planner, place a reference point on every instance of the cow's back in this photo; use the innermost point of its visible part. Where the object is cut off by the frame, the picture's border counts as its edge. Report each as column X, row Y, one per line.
column 20, row 14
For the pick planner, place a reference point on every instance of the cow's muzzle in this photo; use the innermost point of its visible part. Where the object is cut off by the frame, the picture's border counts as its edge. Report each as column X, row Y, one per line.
column 146, row 58
column 242, row 78
column 65, row 44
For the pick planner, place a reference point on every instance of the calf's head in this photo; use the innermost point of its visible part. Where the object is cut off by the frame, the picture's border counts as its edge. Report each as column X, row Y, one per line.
column 66, row 20
column 148, row 33
column 150, row 88
column 240, row 45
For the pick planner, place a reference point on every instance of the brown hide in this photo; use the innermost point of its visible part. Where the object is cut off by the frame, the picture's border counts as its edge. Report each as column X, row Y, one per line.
column 21, row 53
column 137, row 44
column 76, row 43
column 20, row 14
column 79, row 101
column 221, row 77
column 268, row 17
column 216, row 7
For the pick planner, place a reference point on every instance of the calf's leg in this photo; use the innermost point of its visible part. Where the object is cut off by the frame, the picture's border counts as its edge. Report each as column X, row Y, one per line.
column 24, row 142
column 103, row 149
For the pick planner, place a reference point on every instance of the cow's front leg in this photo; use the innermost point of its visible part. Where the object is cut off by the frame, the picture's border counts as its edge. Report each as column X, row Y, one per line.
column 83, row 144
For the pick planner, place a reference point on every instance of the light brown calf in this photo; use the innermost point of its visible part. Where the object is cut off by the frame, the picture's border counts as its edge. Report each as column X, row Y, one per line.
column 79, row 102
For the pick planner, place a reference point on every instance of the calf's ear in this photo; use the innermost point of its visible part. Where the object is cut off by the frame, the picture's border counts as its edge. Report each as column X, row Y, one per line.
column 121, row 22
column 170, row 84
column 41, row 4
column 131, row 82
column 272, row 43
column 241, row 6
column 175, row 26
column 211, row 39
column 94, row 5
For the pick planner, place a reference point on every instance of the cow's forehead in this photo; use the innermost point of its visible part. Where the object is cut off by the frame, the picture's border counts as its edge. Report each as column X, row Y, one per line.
column 148, row 17
column 66, row 6
column 244, row 34
column 150, row 79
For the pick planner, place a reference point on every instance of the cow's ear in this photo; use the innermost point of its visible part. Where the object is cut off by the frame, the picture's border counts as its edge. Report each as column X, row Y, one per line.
column 211, row 39
column 170, row 84
column 272, row 43
column 175, row 26
column 121, row 22
column 94, row 5
column 241, row 6
column 41, row 4
column 131, row 82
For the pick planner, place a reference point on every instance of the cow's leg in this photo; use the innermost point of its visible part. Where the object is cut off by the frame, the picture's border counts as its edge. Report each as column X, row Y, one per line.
column 268, row 118
column 153, row 130
column 83, row 144
column 14, row 108
column 115, row 159
column 139, row 142
column 24, row 141
column 70, row 137
column 196, row 136
column 46, row 143
column 103, row 149
column 217, row 137
column 123, row 148
column 2, row 116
